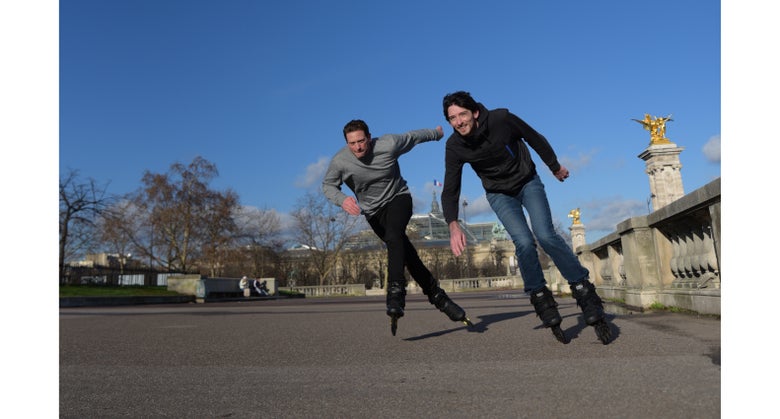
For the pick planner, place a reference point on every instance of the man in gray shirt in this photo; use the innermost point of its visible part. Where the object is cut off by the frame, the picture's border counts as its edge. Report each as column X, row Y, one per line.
column 369, row 167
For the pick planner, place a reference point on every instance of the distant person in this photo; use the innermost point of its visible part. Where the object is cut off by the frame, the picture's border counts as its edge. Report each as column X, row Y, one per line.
column 369, row 167
column 257, row 287
column 261, row 288
column 493, row 143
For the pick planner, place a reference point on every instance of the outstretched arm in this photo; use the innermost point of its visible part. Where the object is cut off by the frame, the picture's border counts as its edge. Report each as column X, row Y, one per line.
column 405, row 142
column 457, row 239
column 562, row 174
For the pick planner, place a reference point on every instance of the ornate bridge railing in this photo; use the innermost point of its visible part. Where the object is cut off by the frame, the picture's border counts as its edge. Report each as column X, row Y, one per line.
column 671, row 256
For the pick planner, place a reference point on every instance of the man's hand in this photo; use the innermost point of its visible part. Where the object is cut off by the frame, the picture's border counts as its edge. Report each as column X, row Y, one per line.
column 457, row 239
column 561, row 174
column 350, row 206
column 440, row 131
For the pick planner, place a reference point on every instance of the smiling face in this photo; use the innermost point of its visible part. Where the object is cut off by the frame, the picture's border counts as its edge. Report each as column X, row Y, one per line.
column 359, row 143
column 462, row 120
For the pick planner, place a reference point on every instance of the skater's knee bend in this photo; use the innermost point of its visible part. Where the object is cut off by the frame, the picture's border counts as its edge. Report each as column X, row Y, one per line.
column 524, row 246
column 549, row 238
column 394, row 239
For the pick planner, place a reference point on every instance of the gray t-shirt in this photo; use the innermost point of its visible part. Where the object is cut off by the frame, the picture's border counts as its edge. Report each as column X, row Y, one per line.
column 376, row 178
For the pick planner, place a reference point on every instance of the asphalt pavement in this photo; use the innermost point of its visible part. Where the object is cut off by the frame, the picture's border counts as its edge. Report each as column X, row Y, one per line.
column 336, row 358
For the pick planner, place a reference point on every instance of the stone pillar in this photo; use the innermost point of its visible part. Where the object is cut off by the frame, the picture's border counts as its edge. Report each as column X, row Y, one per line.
column 577, row 235
column 663, row 167
column 640, row 268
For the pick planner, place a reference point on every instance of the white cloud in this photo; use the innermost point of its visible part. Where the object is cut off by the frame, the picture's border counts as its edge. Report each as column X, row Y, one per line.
column 581, row 161
column 422, row 204
column 286, row 222
column 314, row 173
column 476, row 208
column 711, row 149
column 604, row 215
column 287, row 228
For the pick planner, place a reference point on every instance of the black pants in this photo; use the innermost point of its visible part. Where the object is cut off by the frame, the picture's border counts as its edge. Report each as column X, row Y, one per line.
column 389, row 224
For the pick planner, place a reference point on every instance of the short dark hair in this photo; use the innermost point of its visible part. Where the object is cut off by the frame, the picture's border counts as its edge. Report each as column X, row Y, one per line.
column 459, row 98
column 356, row 125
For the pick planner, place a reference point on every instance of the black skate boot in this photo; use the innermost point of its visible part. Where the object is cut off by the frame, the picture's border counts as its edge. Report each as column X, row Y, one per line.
column 442, row 301
column 592, row 309
column 547, row 309
column 396, row 301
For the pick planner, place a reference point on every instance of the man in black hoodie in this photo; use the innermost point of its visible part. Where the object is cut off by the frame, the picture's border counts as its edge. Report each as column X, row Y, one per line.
column 494, row 144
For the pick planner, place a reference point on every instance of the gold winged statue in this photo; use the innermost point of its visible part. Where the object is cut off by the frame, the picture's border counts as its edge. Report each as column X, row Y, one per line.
column 575, row 216
column 657, row 128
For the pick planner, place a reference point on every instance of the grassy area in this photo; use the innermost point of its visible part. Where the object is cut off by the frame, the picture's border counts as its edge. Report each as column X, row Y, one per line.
column 109, row 291
column 660, row 307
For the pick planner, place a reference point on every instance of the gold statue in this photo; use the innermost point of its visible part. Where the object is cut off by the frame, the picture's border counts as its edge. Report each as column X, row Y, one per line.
column 657, row 128
column 575, row 216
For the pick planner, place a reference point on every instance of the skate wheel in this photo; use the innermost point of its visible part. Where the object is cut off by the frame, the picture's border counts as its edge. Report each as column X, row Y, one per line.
column 468, row 322
column 393, row 325
column 603, row 331
column 558, row 332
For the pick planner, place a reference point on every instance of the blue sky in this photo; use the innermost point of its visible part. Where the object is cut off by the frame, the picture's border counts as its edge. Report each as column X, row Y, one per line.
column 116, row 87
column 263, row 90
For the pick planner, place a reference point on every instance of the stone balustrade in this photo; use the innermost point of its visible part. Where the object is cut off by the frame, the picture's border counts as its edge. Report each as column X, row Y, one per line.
column 327, row 290
column 669, row 257
column 497, row 282
column 449, row 285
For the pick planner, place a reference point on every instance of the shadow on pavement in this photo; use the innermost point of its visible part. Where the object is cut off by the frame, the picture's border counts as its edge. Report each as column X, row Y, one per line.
column 479, row 327
column 574, row 332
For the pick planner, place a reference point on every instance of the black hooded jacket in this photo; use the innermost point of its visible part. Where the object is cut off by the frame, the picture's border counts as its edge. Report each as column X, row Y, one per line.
column 497, row 152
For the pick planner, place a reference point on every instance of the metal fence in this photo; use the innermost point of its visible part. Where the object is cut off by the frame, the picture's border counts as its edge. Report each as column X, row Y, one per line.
column 114, row 276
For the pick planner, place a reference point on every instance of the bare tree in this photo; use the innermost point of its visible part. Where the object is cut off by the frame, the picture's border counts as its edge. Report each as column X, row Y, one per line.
column 81, row 202
column 365, row 266
column 125, row 227
column 436, row 258
column 220, row 229
column 182, row 215
column 324, row 228
column 115, row 230
column 259, row 235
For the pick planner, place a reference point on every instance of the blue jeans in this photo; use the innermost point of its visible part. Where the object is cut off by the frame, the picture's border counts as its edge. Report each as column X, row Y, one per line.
column 509, row 210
